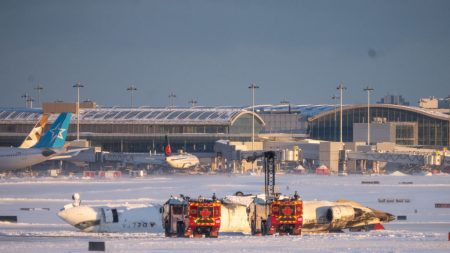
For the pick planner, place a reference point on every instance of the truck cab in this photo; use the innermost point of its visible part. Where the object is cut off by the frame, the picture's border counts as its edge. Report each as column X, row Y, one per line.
column 186, row 217
column 175, row 212
column 282, row 215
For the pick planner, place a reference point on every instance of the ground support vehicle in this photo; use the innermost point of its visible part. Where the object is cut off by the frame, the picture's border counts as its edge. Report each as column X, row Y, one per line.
column 185, row 217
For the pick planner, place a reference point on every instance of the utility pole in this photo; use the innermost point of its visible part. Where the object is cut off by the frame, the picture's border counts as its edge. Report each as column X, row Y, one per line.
column 368, row 89
column 334, row 97
column 172, row 96
column 78, row 85
column 286, row 102
column 25, row 97
column 39, row 88
column 30, row 101
column 131, row 89
column 253, row 87
column 193, row 103
column 341, row 88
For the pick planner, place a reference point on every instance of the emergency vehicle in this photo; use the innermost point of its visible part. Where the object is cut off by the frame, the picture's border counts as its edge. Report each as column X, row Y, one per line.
column 186, row 217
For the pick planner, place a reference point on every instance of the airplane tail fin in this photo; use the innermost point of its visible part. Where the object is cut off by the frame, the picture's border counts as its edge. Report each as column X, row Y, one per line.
column 35, row 135
column 56, row 136
column 167, row 149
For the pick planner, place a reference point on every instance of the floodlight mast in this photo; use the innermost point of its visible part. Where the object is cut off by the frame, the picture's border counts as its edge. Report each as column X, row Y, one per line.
column 131, row 89
column 341, row 88
column 368, row 89
column 78, row 85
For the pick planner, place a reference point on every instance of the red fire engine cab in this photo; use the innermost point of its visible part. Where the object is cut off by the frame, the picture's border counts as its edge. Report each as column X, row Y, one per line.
column 285, row 216
column 282, row 215
column 186, row 217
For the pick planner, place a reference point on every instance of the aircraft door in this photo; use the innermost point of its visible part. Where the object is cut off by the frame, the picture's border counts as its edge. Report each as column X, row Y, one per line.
column 110, row 215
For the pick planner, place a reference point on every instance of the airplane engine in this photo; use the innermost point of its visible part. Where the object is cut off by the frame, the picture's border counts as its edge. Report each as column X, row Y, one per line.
column 340, row 215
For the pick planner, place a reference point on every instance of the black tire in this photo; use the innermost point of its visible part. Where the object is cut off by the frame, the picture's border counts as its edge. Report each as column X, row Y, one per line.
column 253, row 227
column 263, row 228
column 180, row 229
column 167, row 229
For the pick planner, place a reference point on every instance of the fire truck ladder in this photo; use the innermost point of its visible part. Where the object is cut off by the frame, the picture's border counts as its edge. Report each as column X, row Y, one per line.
column 269, row 169
column 269, row 175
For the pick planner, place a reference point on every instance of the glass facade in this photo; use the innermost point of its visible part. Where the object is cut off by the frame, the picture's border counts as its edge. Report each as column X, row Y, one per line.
column 404, row 134
column 431, row 131
column 243, row 125
column 143, row 130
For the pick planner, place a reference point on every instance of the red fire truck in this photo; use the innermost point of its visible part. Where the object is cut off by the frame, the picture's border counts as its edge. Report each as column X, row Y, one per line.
column 282, row 215
column 285, row 217
column 185, row 217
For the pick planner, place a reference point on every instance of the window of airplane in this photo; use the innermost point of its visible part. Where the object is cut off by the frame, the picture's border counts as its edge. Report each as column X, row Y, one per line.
column 115, row 215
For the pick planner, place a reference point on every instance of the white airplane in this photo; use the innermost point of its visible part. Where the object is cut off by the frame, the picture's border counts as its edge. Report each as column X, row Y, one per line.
column 48, row 147
column 318, row 216
column 127, row 218
column 180, row 161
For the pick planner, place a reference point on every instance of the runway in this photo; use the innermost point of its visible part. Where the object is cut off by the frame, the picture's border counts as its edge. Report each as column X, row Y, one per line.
column 425, row 230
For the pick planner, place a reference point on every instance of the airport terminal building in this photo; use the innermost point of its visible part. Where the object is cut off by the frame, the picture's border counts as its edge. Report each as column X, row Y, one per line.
column 408, row 125
column 141, row 129
column 196, row 129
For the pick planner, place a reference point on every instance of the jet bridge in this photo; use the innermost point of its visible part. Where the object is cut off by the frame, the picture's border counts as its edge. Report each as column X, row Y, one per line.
column 393, row 157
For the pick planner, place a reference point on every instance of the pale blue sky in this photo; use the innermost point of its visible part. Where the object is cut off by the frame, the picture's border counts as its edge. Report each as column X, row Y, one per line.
column 212, row 50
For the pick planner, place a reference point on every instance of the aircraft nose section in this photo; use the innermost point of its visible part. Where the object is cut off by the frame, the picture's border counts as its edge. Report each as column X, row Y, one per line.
column 82, row 217
column 68, row 216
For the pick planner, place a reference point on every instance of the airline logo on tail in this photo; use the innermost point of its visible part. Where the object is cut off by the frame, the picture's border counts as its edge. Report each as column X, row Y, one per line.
column 35, row 133
column 56, row 136
column 167, row 150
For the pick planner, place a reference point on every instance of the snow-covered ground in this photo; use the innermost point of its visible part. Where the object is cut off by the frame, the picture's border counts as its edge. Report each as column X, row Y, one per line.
column 425, row 230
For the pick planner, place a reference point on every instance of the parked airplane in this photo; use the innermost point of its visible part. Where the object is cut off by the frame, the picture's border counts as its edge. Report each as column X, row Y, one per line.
column 318, row 216
column 49, row 146
column 179, row 161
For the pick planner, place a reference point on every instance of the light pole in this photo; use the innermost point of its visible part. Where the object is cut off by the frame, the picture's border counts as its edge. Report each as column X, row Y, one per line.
column 39, row 88
column 78, row 85
column 286, row 102
column 334, row 97
column 25, row 97
column 341, row 88
column 131, row 89
column 30, row 101
column 172, row 96
column 193, row 102
column 253, row 87
column 368, row 89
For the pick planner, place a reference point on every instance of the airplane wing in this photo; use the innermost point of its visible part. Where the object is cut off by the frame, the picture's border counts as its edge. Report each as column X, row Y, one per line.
column 67, row 154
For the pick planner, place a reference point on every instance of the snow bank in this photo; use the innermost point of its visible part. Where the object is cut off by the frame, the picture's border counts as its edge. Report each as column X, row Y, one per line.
column 398, row 174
